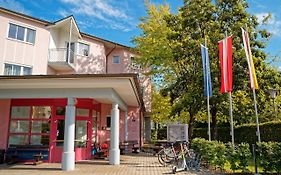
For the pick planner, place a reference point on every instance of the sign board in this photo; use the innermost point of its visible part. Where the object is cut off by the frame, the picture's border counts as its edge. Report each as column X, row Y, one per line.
column 177, row 132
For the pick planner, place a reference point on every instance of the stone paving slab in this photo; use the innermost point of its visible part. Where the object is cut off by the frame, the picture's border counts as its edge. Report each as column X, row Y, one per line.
column 138, row 164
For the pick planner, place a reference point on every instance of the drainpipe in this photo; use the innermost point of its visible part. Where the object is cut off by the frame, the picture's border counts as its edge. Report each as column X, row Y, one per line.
column 106, row 58
column 69, row 42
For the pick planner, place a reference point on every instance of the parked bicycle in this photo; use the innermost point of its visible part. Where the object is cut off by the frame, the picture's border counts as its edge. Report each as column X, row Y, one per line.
column 177, row 153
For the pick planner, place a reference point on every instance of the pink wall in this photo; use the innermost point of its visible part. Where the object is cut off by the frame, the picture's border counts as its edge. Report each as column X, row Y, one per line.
column 22, row 53
column 133, row 124
column 95, row 62
column 4, row 124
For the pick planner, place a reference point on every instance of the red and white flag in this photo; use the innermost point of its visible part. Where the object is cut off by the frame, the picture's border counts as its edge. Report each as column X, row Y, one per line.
column 225, row 52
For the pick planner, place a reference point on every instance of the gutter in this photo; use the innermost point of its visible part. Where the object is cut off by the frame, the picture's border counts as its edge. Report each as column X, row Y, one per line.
column 106, row 58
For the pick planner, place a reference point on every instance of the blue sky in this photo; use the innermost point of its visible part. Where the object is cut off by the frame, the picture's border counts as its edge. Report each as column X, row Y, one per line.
column 117, row 20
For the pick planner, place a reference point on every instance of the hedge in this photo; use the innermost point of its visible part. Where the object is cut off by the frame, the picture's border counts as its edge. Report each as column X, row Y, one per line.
column 269, row 131
column 215, row 154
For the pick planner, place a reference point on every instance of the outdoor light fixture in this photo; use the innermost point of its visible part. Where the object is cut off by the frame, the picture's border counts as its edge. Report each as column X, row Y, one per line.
column 273, row 93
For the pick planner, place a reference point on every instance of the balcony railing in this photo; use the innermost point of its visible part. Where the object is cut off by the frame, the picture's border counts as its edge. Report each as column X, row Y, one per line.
column 61, row 58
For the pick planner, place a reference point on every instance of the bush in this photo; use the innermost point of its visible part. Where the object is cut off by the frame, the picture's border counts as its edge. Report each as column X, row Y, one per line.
column 212, row 152
column 270, row 131
column 238, row 156
column 269, row 156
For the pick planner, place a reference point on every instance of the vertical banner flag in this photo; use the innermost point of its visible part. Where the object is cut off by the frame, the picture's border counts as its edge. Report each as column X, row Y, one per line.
column 225, row 53
column 252, row 73
column 206, row 71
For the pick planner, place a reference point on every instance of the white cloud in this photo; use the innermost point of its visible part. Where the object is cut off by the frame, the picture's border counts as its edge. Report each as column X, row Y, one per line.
column 273, row 25
column 107, row 11
column 14, row 5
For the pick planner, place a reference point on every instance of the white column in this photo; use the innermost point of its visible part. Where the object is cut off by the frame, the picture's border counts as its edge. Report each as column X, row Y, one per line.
column 68, row 156
column 126, row 130
column 114, row 152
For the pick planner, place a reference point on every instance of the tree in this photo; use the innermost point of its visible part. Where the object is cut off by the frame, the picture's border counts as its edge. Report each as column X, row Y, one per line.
column 170, row 44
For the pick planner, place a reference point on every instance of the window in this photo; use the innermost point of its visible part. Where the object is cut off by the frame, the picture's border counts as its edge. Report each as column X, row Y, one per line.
column 11, row 69
column 83, row 49
column 21, row 33
column 30, row 125
column 82, row 112
column 108, row 121
column 116, row 59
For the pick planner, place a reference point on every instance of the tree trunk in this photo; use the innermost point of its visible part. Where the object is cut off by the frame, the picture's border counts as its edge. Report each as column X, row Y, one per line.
column 190, row 128
column 214, row 124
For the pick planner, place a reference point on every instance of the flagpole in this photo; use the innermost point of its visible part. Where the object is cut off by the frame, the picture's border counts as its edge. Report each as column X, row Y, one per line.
column 257, row 117
column 230, row 104
column 255, row 98
column 208, row 98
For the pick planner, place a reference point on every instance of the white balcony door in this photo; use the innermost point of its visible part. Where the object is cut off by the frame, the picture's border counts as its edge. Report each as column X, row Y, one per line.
column 70, row 58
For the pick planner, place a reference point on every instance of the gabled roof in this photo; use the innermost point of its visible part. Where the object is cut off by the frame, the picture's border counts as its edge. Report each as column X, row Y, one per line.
column 24, row 16
column 47, row 23
column 71, row 17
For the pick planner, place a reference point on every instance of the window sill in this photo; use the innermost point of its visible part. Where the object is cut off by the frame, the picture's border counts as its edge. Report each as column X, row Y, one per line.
column 20, row 41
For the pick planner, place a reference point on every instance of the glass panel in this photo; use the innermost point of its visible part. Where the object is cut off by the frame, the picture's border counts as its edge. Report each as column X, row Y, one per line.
column 20, row 112
column 39, row 139
column 18, row 140
column 81, row 134
column 60, row 133
column 41, row 112
column 27, row 71
column 108, row 120
column 60, row 111
column 40, row 127
column 83, row 49
column 82, row 112
column 19, row 126
column 30, row 36
column 16, row 70
column 8, row 69
column 12, row 31
column 20, row 33
column 116, row 59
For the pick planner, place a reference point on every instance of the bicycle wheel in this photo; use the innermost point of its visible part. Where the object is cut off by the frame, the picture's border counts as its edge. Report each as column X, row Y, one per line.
column 166, row 156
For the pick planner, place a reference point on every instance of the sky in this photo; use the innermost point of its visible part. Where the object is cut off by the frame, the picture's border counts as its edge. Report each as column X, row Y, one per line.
column 117, row 20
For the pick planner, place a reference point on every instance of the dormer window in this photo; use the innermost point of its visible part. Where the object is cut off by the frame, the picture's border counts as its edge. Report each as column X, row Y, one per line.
column 116, row 59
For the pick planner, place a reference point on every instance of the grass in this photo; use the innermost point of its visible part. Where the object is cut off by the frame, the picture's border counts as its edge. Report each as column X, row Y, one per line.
column 251, row 168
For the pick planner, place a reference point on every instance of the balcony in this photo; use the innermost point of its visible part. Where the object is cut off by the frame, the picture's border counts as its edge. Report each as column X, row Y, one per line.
column 62, row 59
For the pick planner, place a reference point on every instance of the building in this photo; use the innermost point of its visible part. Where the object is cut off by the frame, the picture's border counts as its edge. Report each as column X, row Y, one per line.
column 67, row 91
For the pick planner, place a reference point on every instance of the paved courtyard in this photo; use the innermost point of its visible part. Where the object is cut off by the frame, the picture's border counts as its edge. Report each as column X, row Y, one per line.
column 141, row 164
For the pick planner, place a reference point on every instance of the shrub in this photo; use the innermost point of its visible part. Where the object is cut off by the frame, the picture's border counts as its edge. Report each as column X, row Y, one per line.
column 269, row 156
column 270, row 131
column 212, row 152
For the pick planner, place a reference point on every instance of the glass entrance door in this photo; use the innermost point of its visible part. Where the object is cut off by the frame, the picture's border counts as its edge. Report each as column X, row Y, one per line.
column 82, row 129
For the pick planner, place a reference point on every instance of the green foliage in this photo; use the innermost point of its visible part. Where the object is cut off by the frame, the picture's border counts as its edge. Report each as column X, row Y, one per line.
column 270, row 131
column 161, row 108
column 212, row 152
column 170, row 46
column 269, row 156
column 239, row 156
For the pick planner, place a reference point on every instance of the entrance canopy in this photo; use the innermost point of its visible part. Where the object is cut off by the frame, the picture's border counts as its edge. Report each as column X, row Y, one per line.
column 122, row 89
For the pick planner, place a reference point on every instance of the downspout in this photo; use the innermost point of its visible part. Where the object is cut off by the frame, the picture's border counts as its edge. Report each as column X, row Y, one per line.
column 106, row 58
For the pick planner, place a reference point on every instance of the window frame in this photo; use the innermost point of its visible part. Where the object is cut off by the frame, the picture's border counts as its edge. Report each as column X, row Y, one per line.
column 22, row 67
column 26, row 28
column 30, row 120
column 113, row 58
column 78, row 48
